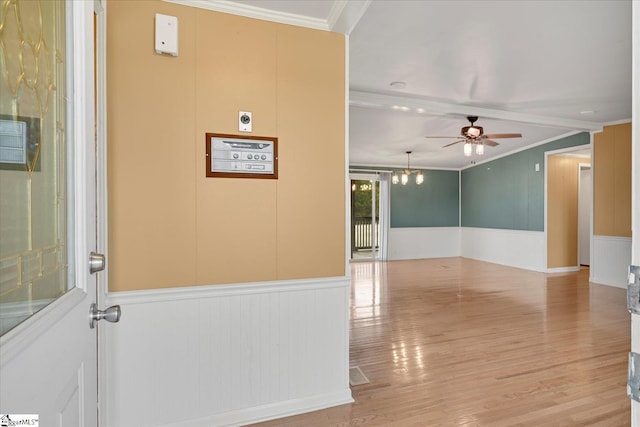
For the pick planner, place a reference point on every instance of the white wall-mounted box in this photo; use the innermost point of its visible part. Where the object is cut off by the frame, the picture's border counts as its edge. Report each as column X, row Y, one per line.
column 166, row 34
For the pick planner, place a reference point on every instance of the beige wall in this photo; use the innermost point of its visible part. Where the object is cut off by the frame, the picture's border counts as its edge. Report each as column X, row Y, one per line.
column 171, row 226
column 612, row 181
column 562, row 210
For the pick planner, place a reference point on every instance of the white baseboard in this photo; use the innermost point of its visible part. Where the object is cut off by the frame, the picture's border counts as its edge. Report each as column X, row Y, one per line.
column 514, row 248
column 227, row 355
column 270, row 411
column 563, row 269
column 611, row 257
column 424, row 242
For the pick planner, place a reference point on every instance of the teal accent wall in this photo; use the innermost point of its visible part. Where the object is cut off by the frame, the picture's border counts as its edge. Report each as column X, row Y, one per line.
column 432, row 204
column 508, row 193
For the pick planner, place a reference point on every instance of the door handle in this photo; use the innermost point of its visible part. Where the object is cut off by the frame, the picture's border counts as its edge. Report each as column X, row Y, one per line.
column 111, row 314
column 97, row 262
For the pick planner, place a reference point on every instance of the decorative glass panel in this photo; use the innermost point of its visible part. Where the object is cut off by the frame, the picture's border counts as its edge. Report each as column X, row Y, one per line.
column 33, row 182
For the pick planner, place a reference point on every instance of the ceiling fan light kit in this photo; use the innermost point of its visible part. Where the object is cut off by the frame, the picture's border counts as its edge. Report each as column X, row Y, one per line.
column 474, row 136
column 404, row 178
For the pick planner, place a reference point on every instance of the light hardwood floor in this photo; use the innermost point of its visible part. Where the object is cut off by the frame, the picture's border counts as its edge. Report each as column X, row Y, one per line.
column 458, row 342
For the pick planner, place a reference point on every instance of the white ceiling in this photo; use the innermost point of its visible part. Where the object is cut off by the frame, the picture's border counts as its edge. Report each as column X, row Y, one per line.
column 530, row 67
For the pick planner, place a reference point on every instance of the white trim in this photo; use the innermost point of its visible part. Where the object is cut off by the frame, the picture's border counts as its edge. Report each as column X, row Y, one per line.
column 387, row 102
column 102, row 219
column 460, row 202
column 211, row 291
column 376, row 171
column 342, row 18
column 271, row 411
column 399, row 166
column 616, row 122
column 101, row 147
column 563, row 269
column 345, row 15
column 545, row 227
column 612, row 238
column 254, row 12
column 347, row 180
column 567, row 150
column 385, row 216
column 581, row 167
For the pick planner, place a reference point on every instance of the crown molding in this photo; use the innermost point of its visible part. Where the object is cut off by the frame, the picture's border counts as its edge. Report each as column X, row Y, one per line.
column 249, row 11
column 343, row 16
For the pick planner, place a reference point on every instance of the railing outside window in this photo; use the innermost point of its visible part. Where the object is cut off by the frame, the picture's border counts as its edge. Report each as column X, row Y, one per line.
column 362, row 233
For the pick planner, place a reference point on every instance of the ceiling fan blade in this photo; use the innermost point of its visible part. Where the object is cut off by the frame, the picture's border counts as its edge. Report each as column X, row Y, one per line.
column 502, row 135
column 442, row 137
column 455, row 142
column 489, row 142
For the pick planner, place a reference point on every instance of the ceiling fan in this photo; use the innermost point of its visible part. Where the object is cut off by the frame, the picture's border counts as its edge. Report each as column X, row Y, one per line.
column 474, row 135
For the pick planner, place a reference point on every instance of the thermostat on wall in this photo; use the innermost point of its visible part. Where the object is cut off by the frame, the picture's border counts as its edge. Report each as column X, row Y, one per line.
column 245, row 122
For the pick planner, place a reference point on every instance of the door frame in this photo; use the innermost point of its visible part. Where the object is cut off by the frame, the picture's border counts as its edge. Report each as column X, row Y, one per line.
column 547, row 154
column 101, row 195
column 581, row 167
column 383, row 214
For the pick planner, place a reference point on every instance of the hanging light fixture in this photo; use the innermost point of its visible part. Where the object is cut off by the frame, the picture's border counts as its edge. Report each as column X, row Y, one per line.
column 468, row 148
column 479, row 148
column 404, row 178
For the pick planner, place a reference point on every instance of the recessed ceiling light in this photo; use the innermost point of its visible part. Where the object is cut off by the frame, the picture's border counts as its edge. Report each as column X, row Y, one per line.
column 400, row 107
column 398, row 85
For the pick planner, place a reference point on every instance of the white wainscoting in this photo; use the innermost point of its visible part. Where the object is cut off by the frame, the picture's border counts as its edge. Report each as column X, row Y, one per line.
column 515, row 248
column 610, row 260
column 424, row 242
column 227, row 355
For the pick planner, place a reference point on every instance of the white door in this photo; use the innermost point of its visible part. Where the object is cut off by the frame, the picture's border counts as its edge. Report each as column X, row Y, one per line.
column 48, row 363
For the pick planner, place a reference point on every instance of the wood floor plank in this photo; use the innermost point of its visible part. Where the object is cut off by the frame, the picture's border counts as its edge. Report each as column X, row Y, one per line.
column 459, row 342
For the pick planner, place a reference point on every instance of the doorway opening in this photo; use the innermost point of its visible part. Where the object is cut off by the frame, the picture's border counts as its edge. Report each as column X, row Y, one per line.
column 368, row 220
column 568, row 209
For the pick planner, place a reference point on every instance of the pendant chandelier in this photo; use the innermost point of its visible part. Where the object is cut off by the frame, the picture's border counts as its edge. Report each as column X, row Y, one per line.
column 404, row 178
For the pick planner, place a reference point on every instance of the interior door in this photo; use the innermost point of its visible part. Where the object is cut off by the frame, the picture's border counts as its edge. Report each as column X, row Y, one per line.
column 48, row 199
